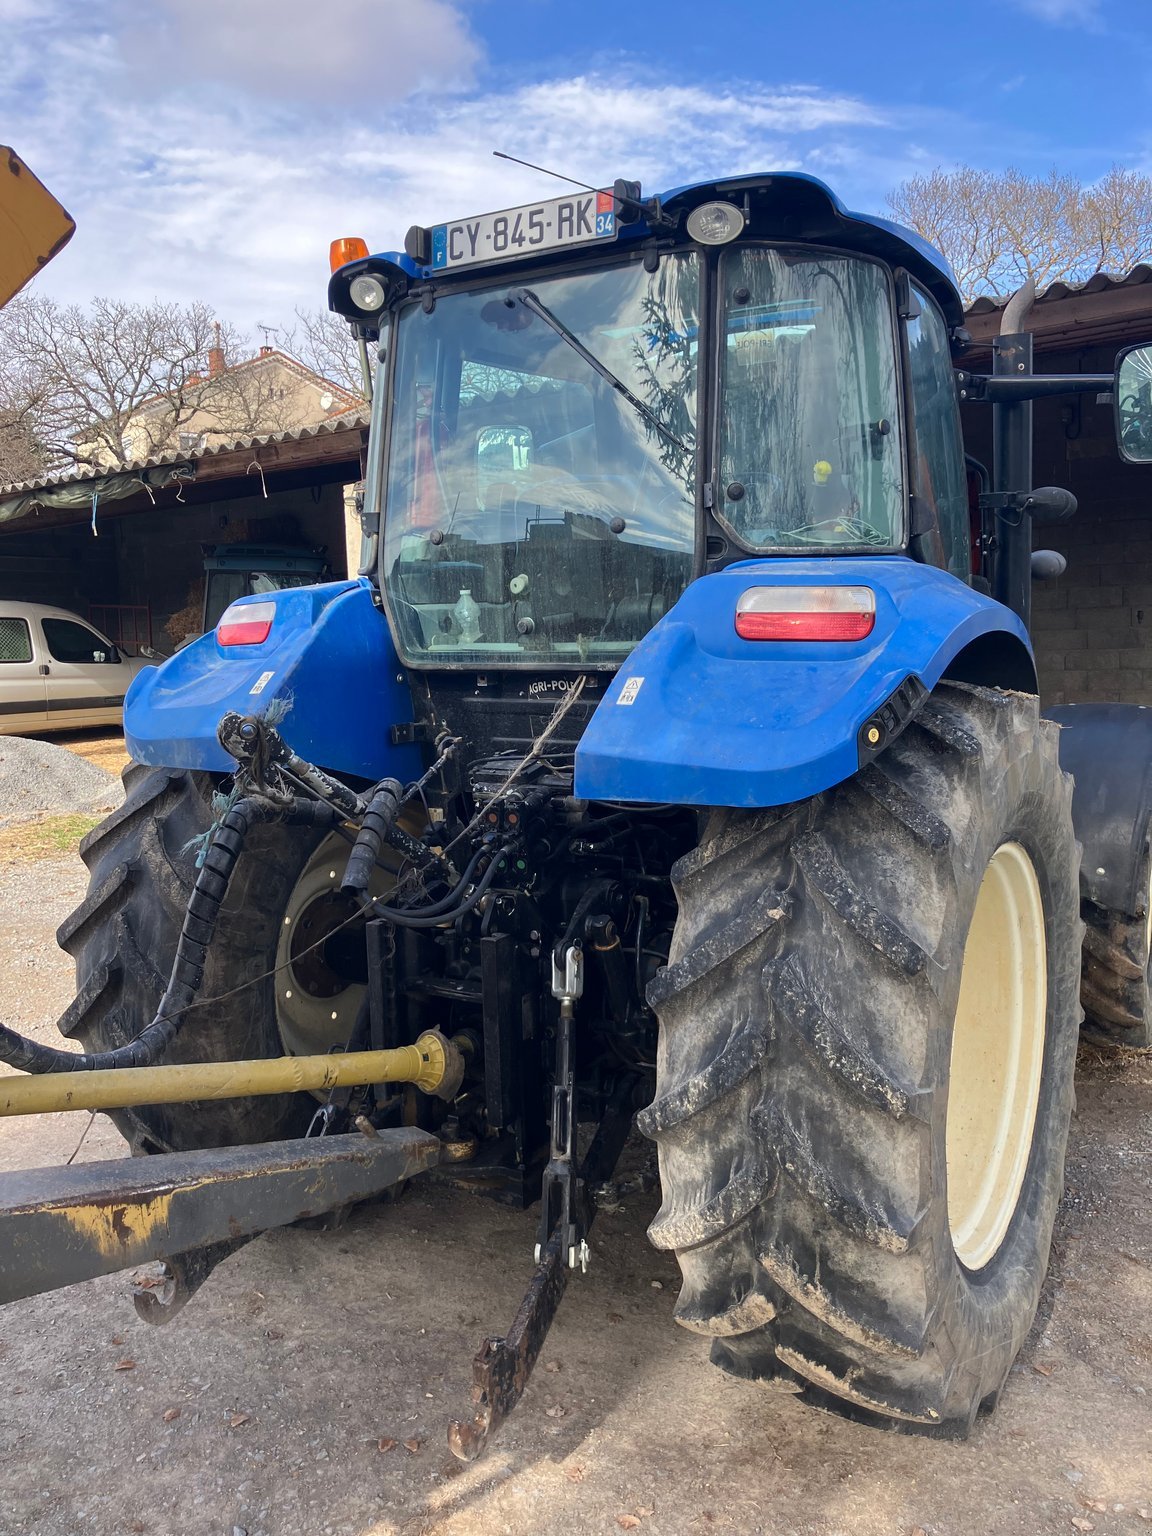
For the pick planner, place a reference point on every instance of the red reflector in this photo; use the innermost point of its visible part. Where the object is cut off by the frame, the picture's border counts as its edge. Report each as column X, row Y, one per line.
column 805, row 613
column 252, row 633
column 245, row 623
column 804, row 626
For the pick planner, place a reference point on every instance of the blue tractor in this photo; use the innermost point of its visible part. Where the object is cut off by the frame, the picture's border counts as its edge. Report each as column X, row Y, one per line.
column 676, row 755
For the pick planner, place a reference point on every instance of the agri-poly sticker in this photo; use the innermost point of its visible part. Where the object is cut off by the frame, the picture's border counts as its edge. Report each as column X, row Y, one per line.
column 630, row 689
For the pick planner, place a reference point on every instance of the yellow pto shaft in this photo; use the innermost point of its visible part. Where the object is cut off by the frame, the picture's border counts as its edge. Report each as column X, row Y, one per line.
column 434, row 1065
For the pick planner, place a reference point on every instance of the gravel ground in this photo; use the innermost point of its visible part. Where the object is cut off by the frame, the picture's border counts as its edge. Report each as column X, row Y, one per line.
column 262, row 1408
column 40, row 777
column 100, row 744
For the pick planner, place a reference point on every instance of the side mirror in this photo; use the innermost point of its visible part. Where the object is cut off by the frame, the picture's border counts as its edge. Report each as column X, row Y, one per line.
column 1050, row 504
column 1133, row 404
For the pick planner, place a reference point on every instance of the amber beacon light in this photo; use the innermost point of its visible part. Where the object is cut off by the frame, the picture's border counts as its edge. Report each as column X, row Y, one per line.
column 347, row 248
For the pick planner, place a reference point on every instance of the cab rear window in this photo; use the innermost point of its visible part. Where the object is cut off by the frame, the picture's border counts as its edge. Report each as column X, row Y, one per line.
column 15, row 641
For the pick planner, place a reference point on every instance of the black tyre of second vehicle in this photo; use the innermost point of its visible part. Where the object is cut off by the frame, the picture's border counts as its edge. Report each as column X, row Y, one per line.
column 803, row 1075
column 1116, row 981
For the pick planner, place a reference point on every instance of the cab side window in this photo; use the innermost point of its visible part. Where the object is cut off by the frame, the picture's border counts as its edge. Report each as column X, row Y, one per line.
column 67, row 641
column 15, row 641
column 938, row 472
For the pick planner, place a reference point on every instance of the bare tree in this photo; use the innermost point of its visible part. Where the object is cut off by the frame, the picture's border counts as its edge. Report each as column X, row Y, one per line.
column 106, row 384
column 1118, row 215
column 997, row 230
column 245, row 400
column 21, row 456
column 324, row 342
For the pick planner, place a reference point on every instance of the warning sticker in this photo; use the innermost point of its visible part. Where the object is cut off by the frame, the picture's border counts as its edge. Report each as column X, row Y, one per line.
column 630, row 689
column 261, row 682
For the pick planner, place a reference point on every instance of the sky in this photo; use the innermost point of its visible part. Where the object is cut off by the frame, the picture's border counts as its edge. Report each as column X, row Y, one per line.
column 211, row 149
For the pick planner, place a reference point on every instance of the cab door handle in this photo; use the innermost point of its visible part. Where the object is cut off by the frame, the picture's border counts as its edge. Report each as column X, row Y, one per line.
column 45, row 669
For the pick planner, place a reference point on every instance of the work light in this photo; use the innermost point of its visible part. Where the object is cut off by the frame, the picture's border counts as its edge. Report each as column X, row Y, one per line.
column 366, row 292
column 715, row 223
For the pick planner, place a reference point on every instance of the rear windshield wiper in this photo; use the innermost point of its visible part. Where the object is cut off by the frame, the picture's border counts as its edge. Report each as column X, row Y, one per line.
column 531, row 302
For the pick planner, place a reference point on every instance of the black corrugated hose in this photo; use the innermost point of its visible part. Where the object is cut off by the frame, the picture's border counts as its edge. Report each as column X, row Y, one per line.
column 187, row 973
column 203, row 910
column 374, row 828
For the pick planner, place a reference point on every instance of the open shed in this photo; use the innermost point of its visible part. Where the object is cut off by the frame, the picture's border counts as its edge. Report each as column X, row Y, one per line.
column 125, row 548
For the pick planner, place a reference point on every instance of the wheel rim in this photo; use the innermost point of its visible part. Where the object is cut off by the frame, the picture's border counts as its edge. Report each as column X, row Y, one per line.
column 320, row 982
column 997, row 1056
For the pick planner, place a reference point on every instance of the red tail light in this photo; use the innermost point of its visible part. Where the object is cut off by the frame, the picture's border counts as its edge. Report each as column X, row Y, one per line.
column 245, row 623
column 806, row 613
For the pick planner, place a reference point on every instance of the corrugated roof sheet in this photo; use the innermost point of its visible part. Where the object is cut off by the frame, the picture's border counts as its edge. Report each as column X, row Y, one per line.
column 1099, row 282
column 354, row 421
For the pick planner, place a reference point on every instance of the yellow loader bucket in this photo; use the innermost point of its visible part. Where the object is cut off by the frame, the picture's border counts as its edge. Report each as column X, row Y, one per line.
column 33, row 226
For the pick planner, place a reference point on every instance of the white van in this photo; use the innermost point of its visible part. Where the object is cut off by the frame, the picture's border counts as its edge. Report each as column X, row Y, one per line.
column 57, row 673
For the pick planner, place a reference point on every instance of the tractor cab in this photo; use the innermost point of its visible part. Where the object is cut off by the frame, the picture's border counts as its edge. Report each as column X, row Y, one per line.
column 591, row 401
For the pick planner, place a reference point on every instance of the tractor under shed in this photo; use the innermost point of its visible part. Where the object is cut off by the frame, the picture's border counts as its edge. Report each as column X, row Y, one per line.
column 125, row 547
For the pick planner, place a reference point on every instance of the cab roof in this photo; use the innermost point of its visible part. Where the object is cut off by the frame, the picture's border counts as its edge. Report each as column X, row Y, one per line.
column 803, row 207
column 782, row 205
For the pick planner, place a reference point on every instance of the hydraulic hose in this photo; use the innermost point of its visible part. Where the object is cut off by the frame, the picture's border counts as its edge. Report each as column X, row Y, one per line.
column 428, row 917
column 256, row 745
column 203, row 910
column 187, row 974
column 454, row 895
column 374, row 829
column 599, row 890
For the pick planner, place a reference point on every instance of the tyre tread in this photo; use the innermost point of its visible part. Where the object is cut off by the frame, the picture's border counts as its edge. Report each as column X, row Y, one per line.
column 825, row 1283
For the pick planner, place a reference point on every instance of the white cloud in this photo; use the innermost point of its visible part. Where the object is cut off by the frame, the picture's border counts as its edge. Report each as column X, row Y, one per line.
column 185, row 186
column 302, row 50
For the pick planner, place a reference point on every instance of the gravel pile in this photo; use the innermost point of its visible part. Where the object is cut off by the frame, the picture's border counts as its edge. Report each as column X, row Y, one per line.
column 38, row 778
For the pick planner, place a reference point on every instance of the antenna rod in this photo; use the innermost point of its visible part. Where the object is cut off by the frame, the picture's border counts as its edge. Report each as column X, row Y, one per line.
column 544, row 171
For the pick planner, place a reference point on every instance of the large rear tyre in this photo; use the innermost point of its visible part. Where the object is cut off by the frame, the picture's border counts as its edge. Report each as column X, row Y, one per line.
column 868, row 1030
column 273, row 992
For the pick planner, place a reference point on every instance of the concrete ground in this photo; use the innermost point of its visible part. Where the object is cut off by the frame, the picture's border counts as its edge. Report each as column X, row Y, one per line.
column 307, row 1389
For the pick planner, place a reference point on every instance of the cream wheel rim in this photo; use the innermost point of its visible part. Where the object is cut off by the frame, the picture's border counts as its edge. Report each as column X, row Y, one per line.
column 997, row 1056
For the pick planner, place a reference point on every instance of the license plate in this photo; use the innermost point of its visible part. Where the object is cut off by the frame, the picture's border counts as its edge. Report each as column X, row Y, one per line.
column 582, row 219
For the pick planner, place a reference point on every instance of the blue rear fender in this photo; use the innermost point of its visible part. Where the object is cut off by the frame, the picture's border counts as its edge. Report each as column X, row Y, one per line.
column 328, row 665
column 699, row 716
